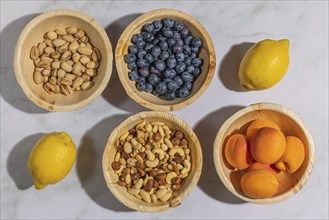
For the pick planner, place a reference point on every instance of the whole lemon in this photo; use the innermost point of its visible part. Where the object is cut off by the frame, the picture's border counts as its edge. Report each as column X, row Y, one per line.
column 51, row 159
column 264, row 64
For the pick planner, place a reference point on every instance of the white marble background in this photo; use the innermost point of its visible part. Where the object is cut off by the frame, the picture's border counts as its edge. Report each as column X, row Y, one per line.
column 83, row 193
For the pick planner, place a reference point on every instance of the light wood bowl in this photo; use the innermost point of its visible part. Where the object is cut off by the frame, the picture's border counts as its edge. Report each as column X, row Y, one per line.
column 207, row 53
column 188, row 184
column 290, row 124
column 33, row 33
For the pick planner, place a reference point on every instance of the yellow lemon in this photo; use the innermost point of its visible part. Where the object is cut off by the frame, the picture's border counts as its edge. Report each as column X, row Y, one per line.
column 264, row 64
column 51, row 159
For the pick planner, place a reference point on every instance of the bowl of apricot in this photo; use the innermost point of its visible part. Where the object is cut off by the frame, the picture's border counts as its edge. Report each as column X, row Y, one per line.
column 264, row 153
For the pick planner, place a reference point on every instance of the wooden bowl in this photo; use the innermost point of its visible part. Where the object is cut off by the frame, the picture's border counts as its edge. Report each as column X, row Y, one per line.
column 188, row 184
column 207, row 53
column 290, row 124
column 33, row 33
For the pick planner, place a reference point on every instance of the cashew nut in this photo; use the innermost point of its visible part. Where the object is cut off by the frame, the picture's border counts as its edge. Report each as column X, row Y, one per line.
column 145, row 196
column 178, row 151
column 149, row 154
column 153, row 163
column 170, row 176
column 139, row 158
column 124, row 136
column 166, row 196
column 187, row 167
column 139, row 183
column 164, row 147
column 122, row 161
column 140, row 125
column 160, row 152
column 133, row 191
column 168, row 143
column 161, row 131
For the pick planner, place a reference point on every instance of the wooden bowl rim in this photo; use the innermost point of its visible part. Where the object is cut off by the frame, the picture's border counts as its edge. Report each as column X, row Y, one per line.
column 113, row 186
column 259, row 107
column 18, row 67
column 134, row 94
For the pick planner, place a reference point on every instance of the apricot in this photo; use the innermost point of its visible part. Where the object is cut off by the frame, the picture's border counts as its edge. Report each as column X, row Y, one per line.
column 260, row 123
column 261, row 166
column 267, row 145
column 260, row 184
column 237, row 152
column 293, row 157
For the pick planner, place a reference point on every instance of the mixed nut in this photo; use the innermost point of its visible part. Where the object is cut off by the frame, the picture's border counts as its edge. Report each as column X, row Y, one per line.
column 65, row 61
column 152, row 161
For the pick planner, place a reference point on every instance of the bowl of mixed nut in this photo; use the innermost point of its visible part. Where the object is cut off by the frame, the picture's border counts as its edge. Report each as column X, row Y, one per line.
column 152, row 161
column 63, row 60
column 165, row 59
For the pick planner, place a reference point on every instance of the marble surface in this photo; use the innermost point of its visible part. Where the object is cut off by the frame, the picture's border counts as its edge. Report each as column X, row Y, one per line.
column 232, row 26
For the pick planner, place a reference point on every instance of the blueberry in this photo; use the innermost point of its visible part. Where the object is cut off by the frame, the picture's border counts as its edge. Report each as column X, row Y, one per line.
column 186, row 49
column 155, row 93
column 133, row 75
column 168, row 22
column 190, row 68
column 184, row 32
column 176, row 36
column 160, row 65
column 169, row 73
column 148, row 87
column 171, row 62
column 170, row 96
column 161, row 88
column 180, row 67
column 195, row 49
column 137, row 38
column 155, row 41
column 153, row 79
column 188, row 39
column 177, row 48
column 161, row 38
column 164, row 55
column 180, row 57
column 183, row 92
column 180, row 42
column 148, row 46
column 140, row 44
column 179, row 25
column 149, row 58
column 133, row 49
column 187, row 77
column 196, row 42
column 163, row 45
column 144, row 71
column 156, row 51
column 148, row 37
column 197, row 62
column 171, row 42
column 167, row 33
column 193, row 55
column 148, row 27
column 141, row 79
column 178, row 80
column 157, row 25
column 196, row 72
column 188, row 61
column 155, row 71
column 141, row 53
column 130, row 58
column 187, row 85
column 172, row 85
column 141, row 63
column 132, row 66
column 141, row 86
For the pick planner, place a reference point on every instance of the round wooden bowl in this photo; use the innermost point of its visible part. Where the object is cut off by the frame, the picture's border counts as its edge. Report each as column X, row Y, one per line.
column 207, row 53
column 33, row 33
column 188, row 184
column 290, row 124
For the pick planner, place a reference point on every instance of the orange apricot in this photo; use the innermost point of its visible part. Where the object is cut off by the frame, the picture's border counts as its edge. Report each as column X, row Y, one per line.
column 237, row 152
column 259, row 184
column 293, row 157
column 260, row 123
column 261, row 166
column 267, row 145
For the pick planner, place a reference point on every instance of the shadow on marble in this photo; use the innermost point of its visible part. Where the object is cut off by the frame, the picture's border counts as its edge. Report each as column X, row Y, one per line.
column 229, row 67
column 18, row 159
column 206, row 130
column 10, row 89
column 114, row 92
column 89, row 163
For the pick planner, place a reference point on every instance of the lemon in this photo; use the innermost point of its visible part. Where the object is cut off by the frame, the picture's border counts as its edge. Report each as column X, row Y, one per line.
column 51, row 159
column 264, row 64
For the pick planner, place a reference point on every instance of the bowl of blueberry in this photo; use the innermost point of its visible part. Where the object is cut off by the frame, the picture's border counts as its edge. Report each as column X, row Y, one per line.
column 165, row 59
